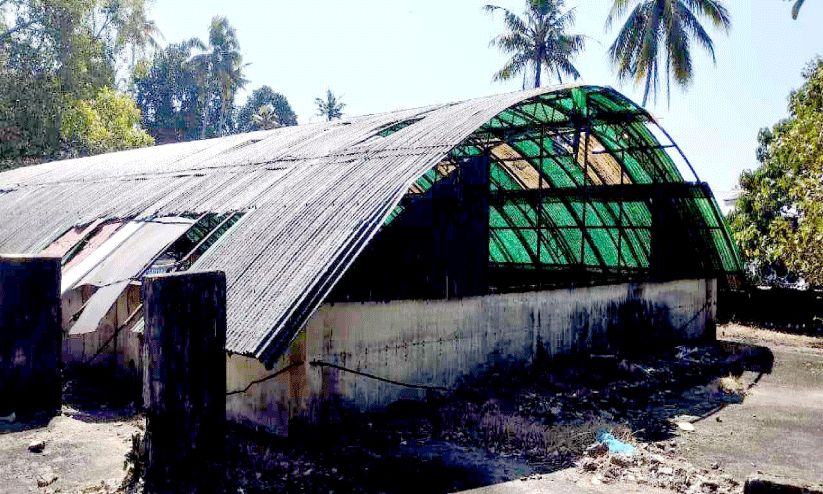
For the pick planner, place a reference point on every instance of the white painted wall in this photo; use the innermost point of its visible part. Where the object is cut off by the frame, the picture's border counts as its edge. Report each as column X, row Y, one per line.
column 440, row 342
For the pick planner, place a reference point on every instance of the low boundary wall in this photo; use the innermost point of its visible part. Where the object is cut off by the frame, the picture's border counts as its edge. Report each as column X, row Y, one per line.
column 441, row 342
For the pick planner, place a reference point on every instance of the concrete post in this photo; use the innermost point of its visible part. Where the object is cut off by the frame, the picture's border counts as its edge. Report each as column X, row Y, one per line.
column 184, row 378
column 30, row 335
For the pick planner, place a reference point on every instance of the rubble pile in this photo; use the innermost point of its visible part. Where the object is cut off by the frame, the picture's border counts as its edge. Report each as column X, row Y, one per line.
column 643, row 393
column 657, row 465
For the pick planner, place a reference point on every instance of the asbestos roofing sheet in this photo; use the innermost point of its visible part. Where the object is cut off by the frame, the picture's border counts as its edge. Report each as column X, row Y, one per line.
column 64, row 244
column 95, row 255
column 97, row 307
column 129, row 258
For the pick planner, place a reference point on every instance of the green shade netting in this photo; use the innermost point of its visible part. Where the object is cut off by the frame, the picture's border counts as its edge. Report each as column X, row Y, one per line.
column 549, row 134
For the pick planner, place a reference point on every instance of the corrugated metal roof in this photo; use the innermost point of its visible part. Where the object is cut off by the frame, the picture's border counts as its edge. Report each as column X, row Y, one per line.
column 313, row 195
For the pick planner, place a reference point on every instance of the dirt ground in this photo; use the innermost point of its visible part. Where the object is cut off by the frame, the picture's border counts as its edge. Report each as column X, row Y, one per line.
column 81, row 454
column 778, row 429
column 754, row 400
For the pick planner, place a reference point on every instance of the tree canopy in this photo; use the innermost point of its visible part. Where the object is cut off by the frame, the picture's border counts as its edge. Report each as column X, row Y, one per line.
column 108, row 122
column 538, row 39
column 778, row 219
column 260, row 97
column 657, row 38
column 55, row 54
column 220, row 73
column 167, row 91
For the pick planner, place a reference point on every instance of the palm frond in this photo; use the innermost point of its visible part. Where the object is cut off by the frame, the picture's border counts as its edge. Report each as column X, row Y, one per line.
column 514, row 23
column 566, row 67
column 796, row 8
column 567, row 19
column 624, row 51
column 514, row 66
column 695, row 30
column 512, row 42
column 677, row 44
column 619, row 7
column 712, row 10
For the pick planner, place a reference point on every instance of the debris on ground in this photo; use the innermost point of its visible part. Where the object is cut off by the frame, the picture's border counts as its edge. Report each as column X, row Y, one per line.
column 37, row 446
column 685, row 426
column 612, row 416
column 544, row 417
column 658, row 465
column 46, row 479
column 731, row 385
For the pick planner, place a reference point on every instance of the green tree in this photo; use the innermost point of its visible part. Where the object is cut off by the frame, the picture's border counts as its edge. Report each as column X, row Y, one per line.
column 29, row 118
column 108, row 122
column 82, row 39
column 167, row 92
column 265, row 118
column 53, row 53
column 657, row 37
column 222, row 70
column 538, row 39
column 778, row 219
column 331, row 107
column 265, row 96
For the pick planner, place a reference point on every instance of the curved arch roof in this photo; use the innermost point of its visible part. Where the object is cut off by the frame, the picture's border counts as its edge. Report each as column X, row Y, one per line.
column 315, row 194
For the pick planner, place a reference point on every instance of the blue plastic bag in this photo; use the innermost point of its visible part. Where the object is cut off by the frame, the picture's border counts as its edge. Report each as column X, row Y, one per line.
column 615, row 446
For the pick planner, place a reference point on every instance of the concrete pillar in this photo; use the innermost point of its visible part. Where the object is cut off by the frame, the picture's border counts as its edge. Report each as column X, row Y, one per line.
column 30, row 335
column 184, row 378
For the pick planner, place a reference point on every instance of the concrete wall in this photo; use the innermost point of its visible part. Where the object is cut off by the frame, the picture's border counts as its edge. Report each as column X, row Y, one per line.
column 440, row 342
column 123, row 352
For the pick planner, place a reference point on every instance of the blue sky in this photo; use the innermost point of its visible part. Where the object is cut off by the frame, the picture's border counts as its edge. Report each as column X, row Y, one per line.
column 388, row 55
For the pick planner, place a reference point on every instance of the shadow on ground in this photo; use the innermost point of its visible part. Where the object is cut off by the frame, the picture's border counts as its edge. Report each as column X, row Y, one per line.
column 100, row 394
column 21, row 424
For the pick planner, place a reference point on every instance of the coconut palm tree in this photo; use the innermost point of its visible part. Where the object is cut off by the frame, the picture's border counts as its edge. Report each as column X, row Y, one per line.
column 657, row 37
column 538, row 39
column 220, row 70
column 331, row 107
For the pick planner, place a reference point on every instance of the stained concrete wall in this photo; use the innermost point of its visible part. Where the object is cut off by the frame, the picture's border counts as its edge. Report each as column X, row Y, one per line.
column 118, row 366
column 440, row 342
column 122, row 353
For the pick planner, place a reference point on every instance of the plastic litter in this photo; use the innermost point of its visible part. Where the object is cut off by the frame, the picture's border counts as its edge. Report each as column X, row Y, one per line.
column 615, row 446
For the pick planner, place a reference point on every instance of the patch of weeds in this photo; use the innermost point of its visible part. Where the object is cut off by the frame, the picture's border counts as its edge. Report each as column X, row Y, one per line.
column 134, row 465
column 730, row 385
